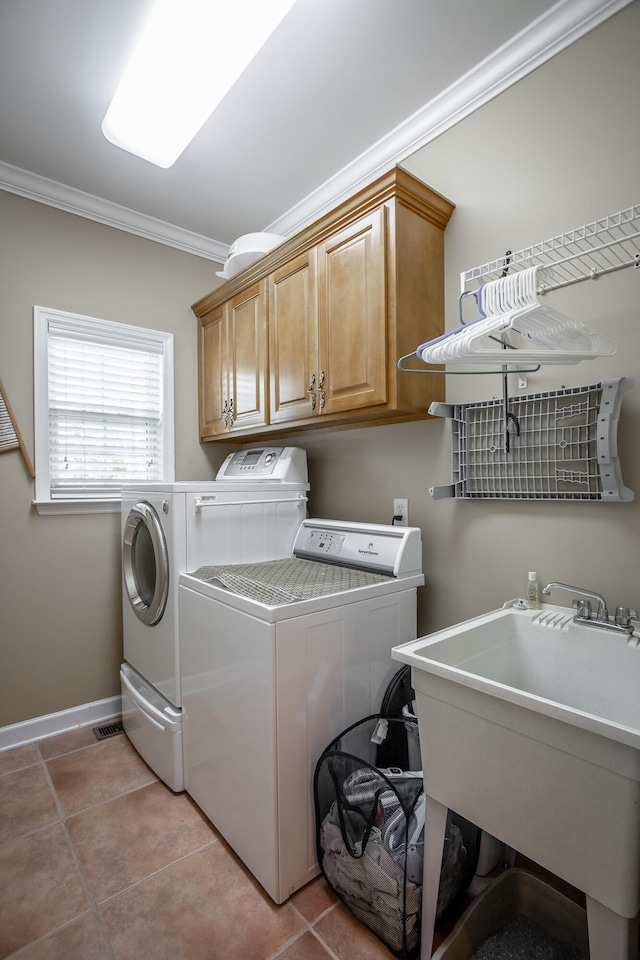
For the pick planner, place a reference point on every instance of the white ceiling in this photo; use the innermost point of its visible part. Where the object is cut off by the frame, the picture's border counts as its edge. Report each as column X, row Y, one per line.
column 342, row 90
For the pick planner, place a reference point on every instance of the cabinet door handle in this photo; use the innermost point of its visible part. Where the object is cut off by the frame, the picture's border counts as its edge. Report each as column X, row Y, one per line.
column 225, row 415
column 311, row 391
column 321, row 390
column 230, row 412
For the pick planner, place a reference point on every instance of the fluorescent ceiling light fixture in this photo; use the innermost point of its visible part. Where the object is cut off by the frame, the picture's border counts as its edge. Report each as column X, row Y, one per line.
column 190, row 54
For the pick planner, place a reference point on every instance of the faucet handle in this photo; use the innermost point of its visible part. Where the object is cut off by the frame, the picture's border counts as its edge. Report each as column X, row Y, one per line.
column 583, row 608
column 624, row 616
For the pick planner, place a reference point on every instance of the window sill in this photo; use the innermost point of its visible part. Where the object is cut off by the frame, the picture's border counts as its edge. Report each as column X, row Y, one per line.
column 50, row 507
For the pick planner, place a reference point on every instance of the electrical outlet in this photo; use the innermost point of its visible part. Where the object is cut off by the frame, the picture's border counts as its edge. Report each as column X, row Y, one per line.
column 401, row 510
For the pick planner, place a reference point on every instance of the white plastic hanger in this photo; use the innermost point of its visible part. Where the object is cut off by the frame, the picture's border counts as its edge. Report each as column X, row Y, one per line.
column 515, row 328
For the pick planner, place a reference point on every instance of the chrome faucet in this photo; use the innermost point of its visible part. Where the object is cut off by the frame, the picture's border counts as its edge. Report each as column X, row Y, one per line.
column 602, row 614
column 584, row 614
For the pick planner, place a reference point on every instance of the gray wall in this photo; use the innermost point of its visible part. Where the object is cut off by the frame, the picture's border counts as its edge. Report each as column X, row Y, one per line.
column 557, row 150
column 60, row 595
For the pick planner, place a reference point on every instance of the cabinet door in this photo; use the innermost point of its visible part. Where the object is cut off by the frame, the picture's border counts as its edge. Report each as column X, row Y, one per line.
column 293, row 339
column 212, row 354
column 247, row 357
column 352, row 347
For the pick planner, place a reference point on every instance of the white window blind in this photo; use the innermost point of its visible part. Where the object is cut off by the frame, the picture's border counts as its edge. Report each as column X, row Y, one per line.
column 107, row 400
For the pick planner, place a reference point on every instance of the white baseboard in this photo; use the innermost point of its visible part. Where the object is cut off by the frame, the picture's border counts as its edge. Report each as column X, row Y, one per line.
column 19, row 734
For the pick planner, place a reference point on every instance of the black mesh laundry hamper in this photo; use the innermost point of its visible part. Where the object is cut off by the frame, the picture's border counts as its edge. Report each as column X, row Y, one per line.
column 370, row 832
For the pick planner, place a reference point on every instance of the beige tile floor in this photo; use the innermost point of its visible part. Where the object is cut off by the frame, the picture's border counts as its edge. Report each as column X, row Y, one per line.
column 100, row 861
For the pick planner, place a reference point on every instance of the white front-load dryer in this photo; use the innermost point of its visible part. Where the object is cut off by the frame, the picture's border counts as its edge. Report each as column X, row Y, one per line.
column 252, row 513
column 154, row 550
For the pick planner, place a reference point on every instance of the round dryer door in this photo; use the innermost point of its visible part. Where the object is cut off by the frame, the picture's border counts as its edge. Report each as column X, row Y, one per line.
column 145, row 563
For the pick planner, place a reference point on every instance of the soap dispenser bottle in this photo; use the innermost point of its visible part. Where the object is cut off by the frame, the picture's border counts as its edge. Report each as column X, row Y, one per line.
column 533, row 595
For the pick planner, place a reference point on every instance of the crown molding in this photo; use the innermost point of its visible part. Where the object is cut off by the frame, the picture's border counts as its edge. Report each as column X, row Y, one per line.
column 554, row 31
column 54, row 194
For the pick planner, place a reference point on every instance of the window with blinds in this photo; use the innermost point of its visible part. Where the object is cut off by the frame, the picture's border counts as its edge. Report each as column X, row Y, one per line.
column 104, row 407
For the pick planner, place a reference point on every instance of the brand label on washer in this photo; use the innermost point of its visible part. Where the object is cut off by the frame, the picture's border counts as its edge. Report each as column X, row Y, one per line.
column 369, row 551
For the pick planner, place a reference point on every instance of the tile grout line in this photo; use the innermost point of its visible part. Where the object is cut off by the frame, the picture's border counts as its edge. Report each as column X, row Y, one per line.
column 31, row 833
column 46, row 826
column 62, row 816
column 321, row 916
column 92, row 900
column 27, row 766
column 285, row 946
column 54, row 792
column 108, row 800
column 334, row 956
column 156, row 873
column 21, row 951
column 308, row 927
column 98, row 803
column 68, row 753
column 93, row 904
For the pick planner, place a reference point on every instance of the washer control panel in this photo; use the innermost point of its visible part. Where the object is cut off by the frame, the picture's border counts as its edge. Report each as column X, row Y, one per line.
column 322, row 543
column 387, row 549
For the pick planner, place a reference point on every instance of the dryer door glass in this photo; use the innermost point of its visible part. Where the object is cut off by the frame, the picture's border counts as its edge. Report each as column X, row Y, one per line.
column 145, row 563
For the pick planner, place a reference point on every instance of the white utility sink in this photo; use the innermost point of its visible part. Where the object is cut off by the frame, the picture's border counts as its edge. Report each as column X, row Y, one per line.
column 530, row 728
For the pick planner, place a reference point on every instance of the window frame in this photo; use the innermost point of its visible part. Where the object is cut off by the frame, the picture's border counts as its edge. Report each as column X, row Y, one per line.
column 118, row 332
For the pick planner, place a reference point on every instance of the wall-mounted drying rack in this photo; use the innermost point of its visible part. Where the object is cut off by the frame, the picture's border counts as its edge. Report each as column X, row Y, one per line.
column 566, row 447
column 10, row 436
column 515, row 328
column 509, row 289
column 585, row 253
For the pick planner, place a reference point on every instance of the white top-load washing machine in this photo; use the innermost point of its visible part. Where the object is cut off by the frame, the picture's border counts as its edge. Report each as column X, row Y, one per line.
column 277, row 659
column 251, row 512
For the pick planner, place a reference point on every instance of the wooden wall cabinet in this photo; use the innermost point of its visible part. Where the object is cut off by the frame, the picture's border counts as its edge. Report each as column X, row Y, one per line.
column 309, row 336
column 232, row 362
column 293, row 340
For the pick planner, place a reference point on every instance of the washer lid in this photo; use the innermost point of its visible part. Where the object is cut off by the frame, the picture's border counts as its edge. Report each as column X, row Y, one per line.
column 278, row 582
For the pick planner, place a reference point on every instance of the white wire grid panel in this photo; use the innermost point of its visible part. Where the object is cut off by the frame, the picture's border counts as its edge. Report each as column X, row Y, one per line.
column 599, row 247
column 562, row 446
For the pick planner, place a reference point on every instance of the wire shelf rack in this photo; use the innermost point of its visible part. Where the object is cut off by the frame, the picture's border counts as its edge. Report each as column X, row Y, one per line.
column 565, row 446
column 602, row 246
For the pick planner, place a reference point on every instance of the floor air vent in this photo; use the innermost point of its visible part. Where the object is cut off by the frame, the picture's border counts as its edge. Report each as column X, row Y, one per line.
column 109, row 730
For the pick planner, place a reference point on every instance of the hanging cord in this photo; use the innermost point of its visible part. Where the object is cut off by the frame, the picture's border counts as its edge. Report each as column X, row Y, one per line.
column 508, row 416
